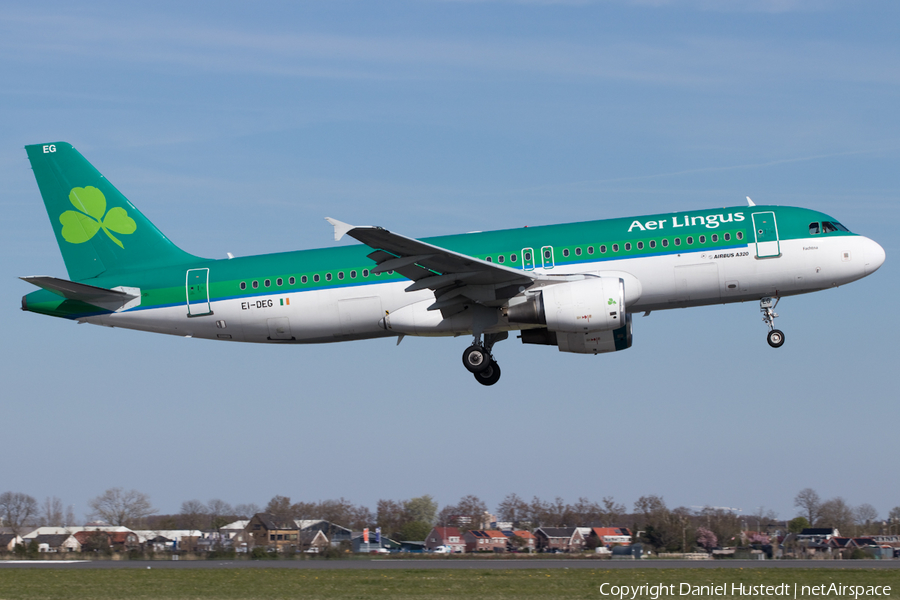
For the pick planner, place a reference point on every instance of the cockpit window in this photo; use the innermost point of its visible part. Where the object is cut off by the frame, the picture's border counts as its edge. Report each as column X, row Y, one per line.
column 840, row 227
column 828, row 227
column 814, row 228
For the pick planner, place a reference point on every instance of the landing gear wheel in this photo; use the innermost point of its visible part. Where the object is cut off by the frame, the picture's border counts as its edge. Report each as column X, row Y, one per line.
column 489, row 376
column 775, row 338
column 476, row 359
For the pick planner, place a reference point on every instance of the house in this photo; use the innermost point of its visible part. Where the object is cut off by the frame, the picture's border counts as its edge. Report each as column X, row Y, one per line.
column 118, row 541
column 333, row 532
column 817, row 535
column 529, row 542
column 8, row 541
column 445, row 536
column 61, row 542
column 559, row 539
column 269, row 531
column 485, row 540
column 313, row 541
column 169, row 540
column 610, row 536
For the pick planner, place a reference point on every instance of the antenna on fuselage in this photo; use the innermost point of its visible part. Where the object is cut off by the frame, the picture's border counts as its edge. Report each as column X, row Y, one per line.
column 750, row 202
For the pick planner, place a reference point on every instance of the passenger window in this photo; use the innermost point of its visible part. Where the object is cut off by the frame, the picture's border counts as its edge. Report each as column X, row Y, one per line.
column 640, row 245
column 255, row 284
column 665, row 243
column 365, row 272
column 627, row 246
column 279, row 282
column 316, row 278
column 827, row 227
column 488, row 259
column 327, row 276
column 715, row 238
column 340, row 274
column 740, row 235
column 528, row 256
column 702, row 239
column 303, row 279
column 653, row 243
column 566, row 252
column 352, row 274
column 690, row 240
column 243, row 285
column 615, row 247
column 546, row 255
column 577, row 251
column 513, row 258
column 500, row 259
column 292, row 281
column 677, row 241
column 267, row 282
column 814, row 228
column 591, row 250
column 727, row 236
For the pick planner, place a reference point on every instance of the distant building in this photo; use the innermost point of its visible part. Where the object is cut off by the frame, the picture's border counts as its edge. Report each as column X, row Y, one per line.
column 445, row 536
column 559, row 539
column 485, row 540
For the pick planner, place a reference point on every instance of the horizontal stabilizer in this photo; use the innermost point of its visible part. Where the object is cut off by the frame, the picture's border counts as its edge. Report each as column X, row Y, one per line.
column 119, row 298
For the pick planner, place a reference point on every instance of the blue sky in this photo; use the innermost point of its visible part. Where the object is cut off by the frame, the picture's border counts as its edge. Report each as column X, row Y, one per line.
column 237, row 128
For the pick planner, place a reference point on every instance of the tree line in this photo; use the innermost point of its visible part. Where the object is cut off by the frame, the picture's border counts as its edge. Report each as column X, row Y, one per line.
column 676, row 529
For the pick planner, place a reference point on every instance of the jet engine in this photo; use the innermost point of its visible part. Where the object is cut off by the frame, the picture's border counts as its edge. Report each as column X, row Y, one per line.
column 585, row 317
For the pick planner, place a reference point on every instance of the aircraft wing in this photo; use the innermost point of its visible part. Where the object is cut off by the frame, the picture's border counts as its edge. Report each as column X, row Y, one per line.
column 456, row 279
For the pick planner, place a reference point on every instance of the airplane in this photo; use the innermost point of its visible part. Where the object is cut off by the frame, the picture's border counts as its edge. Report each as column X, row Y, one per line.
column 574, row 286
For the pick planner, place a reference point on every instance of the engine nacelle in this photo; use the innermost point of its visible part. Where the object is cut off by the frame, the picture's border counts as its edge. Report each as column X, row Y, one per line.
column 597, row 342
column 585, row 306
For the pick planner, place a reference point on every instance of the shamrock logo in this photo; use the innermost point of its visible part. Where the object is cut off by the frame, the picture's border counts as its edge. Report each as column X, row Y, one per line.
column 81, row 225
column 611, row 302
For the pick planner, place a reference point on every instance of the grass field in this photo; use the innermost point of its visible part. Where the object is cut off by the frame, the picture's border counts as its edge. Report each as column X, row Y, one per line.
column 164, row 584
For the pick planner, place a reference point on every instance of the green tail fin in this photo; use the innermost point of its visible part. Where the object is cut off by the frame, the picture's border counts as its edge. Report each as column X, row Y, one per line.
column 97, row 228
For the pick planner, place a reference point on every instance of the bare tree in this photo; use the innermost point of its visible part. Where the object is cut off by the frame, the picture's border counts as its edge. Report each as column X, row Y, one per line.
column 836, row 513
column 119, row 507
column 218, row 511
column 193, row 515
column 246, row 510
column 280, row 506
column 763, row 517
column 390, row 516
column 809, row 503
column 17, row 510
column 612, row 511
column 52, row 512
column 865, row 515
column 512, row 508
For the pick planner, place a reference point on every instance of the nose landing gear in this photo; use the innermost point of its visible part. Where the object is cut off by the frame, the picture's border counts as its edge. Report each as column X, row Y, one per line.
column 767, row 306
column 478, row 360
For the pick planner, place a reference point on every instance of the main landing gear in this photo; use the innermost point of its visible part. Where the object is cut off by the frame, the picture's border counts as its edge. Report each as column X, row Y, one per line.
column 767, row 308
column 478, row 360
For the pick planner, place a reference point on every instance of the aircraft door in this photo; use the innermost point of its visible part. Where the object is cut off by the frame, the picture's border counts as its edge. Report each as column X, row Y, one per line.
column 765, row 231
column 547, row 257
column 197, row 290
column 528, row 259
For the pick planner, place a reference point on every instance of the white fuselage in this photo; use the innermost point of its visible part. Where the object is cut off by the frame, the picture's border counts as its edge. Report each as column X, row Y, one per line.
column 669, row 281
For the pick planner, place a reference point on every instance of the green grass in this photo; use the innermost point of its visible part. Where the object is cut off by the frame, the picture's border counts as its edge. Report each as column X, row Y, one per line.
column 251, row 583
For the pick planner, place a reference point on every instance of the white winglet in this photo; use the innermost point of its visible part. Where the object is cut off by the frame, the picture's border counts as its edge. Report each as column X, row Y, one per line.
column 340, row 228
column 750, row 202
